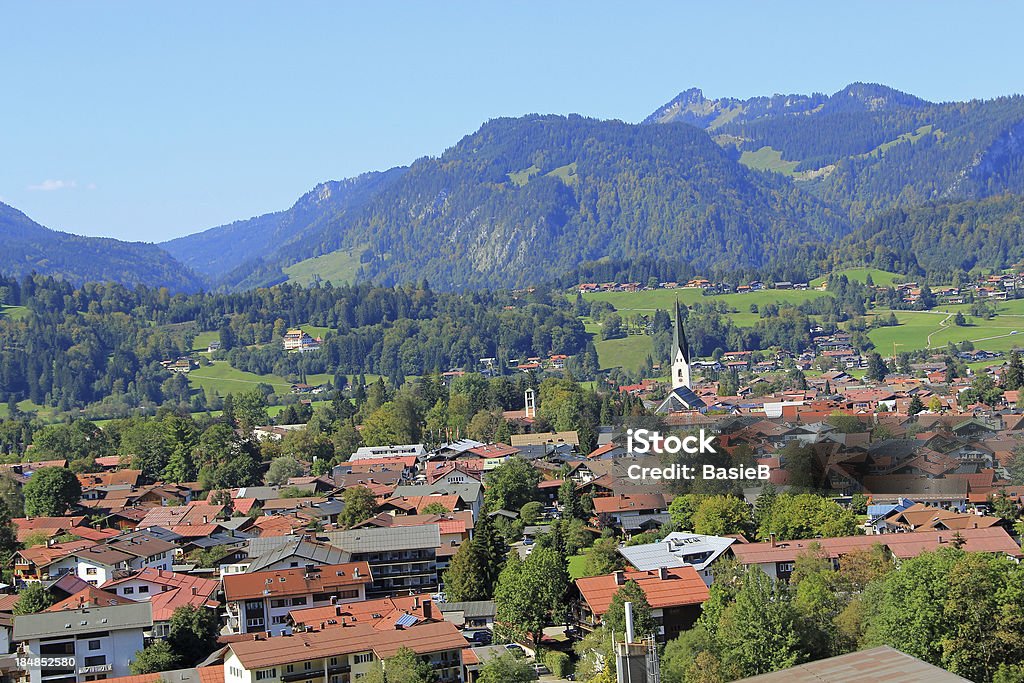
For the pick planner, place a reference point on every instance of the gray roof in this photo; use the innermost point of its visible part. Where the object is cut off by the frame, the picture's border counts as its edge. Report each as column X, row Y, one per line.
column 82, row 621
column 468, row 491
column 634, row 522
column 384, row 539
column 474, row 609
column 261, row 545
column 674, row 549
column 260, row 493
column 301, row 551
column 876, row 664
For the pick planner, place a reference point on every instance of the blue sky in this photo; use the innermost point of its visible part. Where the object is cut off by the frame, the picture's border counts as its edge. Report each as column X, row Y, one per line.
column 145, row 121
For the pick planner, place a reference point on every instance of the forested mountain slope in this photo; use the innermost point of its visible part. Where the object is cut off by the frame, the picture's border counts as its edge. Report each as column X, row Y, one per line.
column 522, row 200
column 29, row 247
column 220, row 250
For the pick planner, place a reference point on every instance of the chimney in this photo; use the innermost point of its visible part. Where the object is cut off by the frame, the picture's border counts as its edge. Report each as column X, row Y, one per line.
column 416, row 602
column 205, row 519
column 771, row 539
column 663, row 573
column 195, row 591
column 620, row 577
column 428, row 609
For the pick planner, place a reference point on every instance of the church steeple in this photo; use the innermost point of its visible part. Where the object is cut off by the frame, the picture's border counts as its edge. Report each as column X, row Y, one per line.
column 680, row 353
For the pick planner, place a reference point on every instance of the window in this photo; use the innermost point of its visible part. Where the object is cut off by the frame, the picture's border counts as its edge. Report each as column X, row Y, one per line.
column 307, row 666
column 128, row 590
column 90, row 571
column 364, row 658
column 143, row 589
column 280, row 619
column 235, row 671
column 264, row 674
column 289, row 669
column 299, row 601
column 95, row 660
column 279, row 603
column 94, row 644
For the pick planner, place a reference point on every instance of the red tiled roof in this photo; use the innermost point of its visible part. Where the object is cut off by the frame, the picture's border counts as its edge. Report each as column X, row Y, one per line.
column 297, row 581
column 421, row 639
column 96, row 597
column 177, row 590
column 682, row 587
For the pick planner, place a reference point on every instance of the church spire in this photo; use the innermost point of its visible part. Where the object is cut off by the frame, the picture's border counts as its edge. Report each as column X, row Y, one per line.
column 679, row 344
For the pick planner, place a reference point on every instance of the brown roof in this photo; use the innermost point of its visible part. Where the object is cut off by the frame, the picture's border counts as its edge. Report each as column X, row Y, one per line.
column 683, row 586
column 322, row 579
column 903, row 546
column 193, row 513
column 364, row 612
column 51, row 526
column 95, row 597
column 421, row 639
column 627, row 502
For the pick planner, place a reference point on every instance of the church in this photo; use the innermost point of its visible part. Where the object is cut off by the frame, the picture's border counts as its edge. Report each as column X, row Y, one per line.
column 681, row 397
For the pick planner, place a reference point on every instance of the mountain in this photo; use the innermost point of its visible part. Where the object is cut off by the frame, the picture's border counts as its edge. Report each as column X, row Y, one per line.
column 276, row 236
column 523, row 200
column 869, row 148
column 940, row 240
column 29, row 247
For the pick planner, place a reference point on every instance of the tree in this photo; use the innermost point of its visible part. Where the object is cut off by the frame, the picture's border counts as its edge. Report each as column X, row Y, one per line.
column 721, row 515
column 360, row 504
column 154, row 658
column 915, row 406
column 806, row 515
column 50, row 491
column 572, row 507
column 193, row 633
column 531, row 594
column 960, row 320
column 512, row 484
column 506, row 668
column 402, row 667
column 681, row 510
column 615, row 617
column 877, row 369
column 394, row 422
column 465, row 579
column 435, row 509
column 530, row 512
column 282, row 469
column 1013, row 378
column 759, row 632
column 32, row 599
column 8, row 534
column 250, row 409
column 602, row 558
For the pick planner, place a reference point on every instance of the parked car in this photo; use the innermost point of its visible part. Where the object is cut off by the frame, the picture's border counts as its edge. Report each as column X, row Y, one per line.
column 483, row 637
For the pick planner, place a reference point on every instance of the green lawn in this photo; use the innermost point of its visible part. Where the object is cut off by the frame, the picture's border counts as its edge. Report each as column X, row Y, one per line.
column 628, row 353
column 878, row 276
column 203, row 341
column 338, row 267
column 768, row 159
column 13, row 312
column 314, row 331
column 520, row 178
column 221, row 377
column 935, row 329
column 576, row 563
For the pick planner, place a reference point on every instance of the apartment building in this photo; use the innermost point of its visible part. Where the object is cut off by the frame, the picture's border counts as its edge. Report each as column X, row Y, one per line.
column 260, row 601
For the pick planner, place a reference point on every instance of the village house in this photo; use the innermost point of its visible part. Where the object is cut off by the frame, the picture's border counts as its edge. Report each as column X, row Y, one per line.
column 260, row 601
column 675, row 596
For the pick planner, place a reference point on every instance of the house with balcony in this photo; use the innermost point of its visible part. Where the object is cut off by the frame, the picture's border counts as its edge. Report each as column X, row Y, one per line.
column 260, row 601
column 343, row 655
column 401, row 559
column 85, row 644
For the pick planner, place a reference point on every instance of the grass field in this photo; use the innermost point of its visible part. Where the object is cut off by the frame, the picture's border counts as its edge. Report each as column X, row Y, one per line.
column 935, row 329
column 768, row 159
column 628, row 353
column 576, row 563
column 219, row 376
column 203, row 341
column 338, row 267
column 878, row 276
column 13, row 312
column 314, row 331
